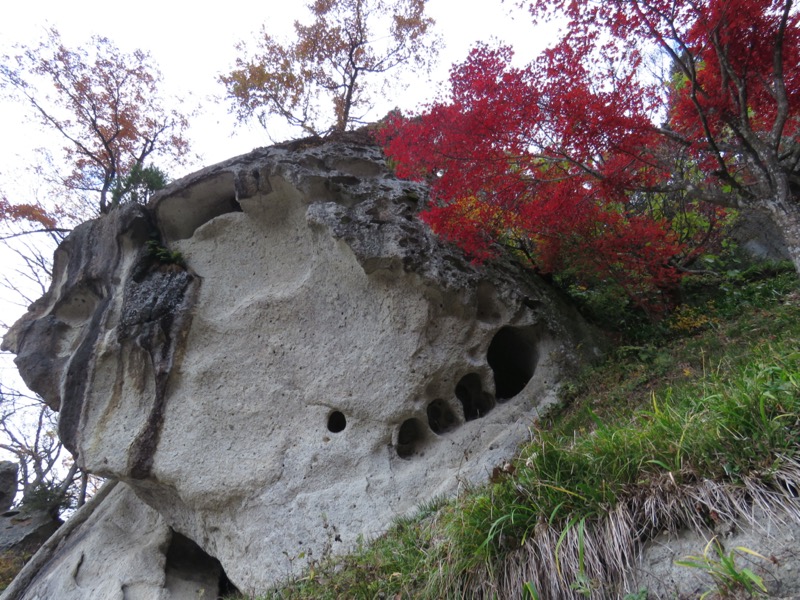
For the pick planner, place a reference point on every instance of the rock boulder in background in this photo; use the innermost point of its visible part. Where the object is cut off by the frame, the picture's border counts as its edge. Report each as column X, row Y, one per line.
column 8, row 484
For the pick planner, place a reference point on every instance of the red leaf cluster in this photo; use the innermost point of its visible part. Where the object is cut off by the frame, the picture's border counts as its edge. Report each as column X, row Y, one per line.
column 564, row 160
column 32, row 213
column 493, row 185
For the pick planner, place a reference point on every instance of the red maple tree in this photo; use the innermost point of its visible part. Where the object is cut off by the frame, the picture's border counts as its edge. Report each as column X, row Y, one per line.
column 590, row 165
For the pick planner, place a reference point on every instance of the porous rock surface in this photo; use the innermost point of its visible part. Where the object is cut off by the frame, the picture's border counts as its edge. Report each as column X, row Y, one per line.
column 313, row 364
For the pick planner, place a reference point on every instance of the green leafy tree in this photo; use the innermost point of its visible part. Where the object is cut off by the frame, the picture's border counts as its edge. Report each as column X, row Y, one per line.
column 138, row 185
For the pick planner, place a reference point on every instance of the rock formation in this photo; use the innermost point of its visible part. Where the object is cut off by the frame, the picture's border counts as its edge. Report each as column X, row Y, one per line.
column 277, row 358
column 118, row 547
column 8, row 484
column 24, row 528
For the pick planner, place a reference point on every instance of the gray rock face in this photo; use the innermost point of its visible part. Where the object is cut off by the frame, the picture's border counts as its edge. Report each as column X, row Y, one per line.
column 319, row 366
column 758, row 237
column 25, row 530
column 125, row 550
column 8, row 484
column 774, row 537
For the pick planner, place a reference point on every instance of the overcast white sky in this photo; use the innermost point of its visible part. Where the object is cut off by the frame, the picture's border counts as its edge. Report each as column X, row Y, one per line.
column 193, row 43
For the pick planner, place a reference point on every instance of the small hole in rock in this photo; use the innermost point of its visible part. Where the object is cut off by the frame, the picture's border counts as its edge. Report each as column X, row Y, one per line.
column 441, row 417
column 336, row 422
column 513, row 355
column 410, row 438
column 476, row 402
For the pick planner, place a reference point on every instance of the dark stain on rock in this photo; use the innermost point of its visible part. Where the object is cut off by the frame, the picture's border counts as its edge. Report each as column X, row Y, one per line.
column 77, row 380
column 155, row 318
column 93, row 253
column 56, row 341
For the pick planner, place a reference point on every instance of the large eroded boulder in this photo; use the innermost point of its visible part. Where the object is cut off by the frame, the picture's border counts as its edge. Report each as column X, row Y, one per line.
column 312, row 364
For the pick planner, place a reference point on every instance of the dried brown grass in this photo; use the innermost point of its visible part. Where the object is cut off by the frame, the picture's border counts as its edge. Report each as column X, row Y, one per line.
column 612, row 544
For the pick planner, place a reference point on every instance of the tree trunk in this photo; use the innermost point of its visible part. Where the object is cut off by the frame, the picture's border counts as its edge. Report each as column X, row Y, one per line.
column 82, row 492
column 785, row 213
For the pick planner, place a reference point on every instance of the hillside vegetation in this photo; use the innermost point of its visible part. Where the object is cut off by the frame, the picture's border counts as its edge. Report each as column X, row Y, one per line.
column 705, row 402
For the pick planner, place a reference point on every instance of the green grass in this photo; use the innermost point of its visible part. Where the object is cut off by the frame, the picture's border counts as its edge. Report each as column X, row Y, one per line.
column 727, row 427
column 716, row 399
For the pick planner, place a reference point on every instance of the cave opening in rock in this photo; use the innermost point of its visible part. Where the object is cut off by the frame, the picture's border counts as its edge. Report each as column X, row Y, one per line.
column 475, row 401
column 191, row 572
column 336, row 422
column 410, row 438
column 441, row 418
column 512, row 355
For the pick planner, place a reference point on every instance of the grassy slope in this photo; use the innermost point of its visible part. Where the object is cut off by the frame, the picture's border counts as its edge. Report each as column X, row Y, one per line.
column 714, row 397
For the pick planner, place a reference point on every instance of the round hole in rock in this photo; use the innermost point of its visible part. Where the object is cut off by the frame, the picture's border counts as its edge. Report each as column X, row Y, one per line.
column 441, row 417
column 513, row 355
column 410, row 438
column 476, row 402
column 336, row 422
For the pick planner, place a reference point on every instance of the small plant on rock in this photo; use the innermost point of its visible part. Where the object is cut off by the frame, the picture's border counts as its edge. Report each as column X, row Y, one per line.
column 164, row 255
column 728, row 578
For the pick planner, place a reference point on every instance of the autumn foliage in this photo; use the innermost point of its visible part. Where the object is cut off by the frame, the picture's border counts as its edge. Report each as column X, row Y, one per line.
column 25, row 213
column 594, row 167
column 106, row 105
column 325, row 79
